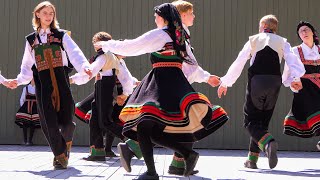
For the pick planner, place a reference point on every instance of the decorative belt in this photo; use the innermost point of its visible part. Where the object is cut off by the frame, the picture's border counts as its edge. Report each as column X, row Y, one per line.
column 308, row 76
column 311, row 62
column 167, row 64
column 315, row 78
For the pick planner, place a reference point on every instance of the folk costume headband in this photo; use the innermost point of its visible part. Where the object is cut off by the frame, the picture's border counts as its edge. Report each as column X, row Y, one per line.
column 170, row 13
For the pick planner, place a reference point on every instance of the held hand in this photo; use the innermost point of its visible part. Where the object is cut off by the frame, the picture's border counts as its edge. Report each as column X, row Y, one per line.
column 222, row 90
column 88, row 72
column 296, row 85
column 12, row 83
column 71, row 81
column 121, row 99
column 6, row 83
column 214, row 80
column 137, row 83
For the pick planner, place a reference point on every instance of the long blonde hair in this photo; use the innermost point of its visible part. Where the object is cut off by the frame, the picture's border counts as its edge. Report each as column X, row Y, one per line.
column 36, row 21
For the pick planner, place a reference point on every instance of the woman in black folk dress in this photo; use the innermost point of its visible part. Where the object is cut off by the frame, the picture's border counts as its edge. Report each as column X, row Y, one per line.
column 164, row 109
column 303, row 119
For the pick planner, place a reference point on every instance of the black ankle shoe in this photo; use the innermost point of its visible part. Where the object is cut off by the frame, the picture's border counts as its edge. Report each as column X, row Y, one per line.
column 94, row 158
column 148, row 176
column 271, row 151
column 29, row 143
column 250, row 165
column 125, row 156
column 179, row 171
column 57, row 165
column 191, row 162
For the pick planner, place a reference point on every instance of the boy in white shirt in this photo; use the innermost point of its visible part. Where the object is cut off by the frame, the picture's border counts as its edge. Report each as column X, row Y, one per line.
column 265, row 51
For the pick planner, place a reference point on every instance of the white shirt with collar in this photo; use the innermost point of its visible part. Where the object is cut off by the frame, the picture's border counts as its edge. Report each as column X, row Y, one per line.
column 310, row 54
column 296, row 67
column 76, row 57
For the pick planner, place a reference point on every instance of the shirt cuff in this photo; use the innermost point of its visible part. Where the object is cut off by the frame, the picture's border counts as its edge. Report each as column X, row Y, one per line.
column 293, row 90
column 223, row 85
column 2, row 79
column 296, row 80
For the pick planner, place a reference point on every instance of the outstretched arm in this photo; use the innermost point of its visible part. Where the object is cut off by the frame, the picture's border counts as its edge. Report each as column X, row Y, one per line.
column 294, row 69
column 76, row 56
column 149, row 42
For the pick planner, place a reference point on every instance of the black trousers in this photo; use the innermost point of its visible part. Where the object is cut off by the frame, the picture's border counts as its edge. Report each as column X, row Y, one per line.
column 102, row 107
column 261, row 97
column 57, row 127
column 149, row 133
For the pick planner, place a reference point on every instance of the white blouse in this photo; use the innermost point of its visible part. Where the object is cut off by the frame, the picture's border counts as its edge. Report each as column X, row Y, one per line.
column 127, row 81
column 153, row 41
column 296, row 67
column 76, row 57
column 31, row 90
column 309, row 54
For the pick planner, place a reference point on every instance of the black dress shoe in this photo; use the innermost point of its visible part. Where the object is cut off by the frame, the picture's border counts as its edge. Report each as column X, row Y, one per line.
column 148, row 176
column 191, row 162
column 318, row 145
column 29, row 144
column 125, row 156
column 271, row 151
column 94, row 158
column 179, row 171
column 57, row 165
column 250, row 165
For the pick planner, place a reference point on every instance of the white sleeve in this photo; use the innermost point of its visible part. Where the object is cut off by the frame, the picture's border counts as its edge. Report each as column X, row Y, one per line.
column 237, row 66
column 2, row 79
column 96, row 66
column 134, row 81
column 23, row 96
column 294, row 68
column 149, row 42
column 286, row 80
column 76, row 56
column 126, row 79
column 194, row 73
column 26, row 74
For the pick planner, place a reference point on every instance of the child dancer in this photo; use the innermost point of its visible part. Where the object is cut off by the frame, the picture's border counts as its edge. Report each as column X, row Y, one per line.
column 109, row 67
column 27, row 116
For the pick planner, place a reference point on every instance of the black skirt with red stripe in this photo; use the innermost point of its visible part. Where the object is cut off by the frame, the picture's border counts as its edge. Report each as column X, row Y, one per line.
column 165, row 97
column 27, row 115
column 303, row 119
